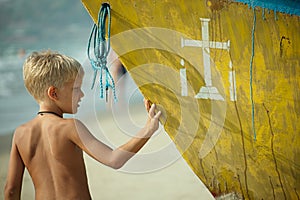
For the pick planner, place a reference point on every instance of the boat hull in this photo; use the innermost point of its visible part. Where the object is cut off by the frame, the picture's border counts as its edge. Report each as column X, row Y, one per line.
column 227, row 78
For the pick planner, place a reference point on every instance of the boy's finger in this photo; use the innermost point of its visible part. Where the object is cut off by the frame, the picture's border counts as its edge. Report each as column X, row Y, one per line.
column 157, row 115
column 151, row 111
column 147, row 104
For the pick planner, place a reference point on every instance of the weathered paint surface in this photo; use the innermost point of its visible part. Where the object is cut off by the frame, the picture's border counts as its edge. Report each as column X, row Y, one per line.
column 265, row 168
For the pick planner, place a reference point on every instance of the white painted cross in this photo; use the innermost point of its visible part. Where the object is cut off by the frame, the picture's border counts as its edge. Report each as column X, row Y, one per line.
column 209, row 91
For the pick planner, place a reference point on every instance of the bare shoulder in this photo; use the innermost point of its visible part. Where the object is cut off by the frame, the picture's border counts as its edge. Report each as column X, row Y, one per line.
column 70, row 125
column 79, row 134
column 72, row 122
column 23, row 130
column 72, row 128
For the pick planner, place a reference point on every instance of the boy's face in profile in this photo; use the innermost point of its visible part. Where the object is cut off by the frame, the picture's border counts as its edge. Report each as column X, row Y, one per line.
column 70, row 95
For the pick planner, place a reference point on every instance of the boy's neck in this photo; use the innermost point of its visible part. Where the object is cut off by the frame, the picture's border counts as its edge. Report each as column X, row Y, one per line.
column 49, row 112
column 50, row 109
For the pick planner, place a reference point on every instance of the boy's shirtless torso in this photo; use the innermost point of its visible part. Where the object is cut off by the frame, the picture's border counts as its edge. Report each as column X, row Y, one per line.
column 54, row 162
column 50, row 147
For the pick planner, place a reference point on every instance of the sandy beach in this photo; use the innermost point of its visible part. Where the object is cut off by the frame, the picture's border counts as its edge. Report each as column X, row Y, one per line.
column 172, row 180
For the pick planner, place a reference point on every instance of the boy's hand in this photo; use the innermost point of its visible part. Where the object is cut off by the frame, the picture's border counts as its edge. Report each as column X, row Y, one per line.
column 153, row 119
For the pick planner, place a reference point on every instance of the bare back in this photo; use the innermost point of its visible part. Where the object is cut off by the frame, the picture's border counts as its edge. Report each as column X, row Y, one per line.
column 54, row 162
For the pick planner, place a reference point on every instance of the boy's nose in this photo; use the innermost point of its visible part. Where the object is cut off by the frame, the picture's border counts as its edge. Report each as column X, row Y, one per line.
column 82, row 94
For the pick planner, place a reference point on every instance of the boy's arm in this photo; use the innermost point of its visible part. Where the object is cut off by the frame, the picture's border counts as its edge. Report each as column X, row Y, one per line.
column 118, row 157
column 15, row 174
column 122, row 154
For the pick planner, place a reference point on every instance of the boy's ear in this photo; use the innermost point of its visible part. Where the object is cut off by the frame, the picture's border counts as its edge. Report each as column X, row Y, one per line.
column 52, row 93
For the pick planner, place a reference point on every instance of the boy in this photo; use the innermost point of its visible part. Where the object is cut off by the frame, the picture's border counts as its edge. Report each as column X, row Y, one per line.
column 51, row 147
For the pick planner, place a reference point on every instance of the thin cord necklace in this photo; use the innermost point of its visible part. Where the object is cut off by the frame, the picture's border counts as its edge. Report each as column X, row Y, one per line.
column 49, row 112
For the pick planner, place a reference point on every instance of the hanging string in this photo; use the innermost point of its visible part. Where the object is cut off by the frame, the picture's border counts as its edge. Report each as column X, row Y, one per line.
column 251, row 77
column 263, row 14
column 101, row 48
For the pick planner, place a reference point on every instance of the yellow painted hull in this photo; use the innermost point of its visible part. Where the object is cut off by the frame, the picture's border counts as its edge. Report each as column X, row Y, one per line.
column 254, row 156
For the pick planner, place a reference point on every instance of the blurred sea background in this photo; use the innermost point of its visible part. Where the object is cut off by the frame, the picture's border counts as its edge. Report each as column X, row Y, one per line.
column 27, row 26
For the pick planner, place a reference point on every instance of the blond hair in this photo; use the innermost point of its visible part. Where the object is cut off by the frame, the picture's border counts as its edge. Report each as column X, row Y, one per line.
column 44, row 69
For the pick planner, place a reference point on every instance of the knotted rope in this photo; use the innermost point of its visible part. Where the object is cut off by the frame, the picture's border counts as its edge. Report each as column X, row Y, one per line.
column 101, row 50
